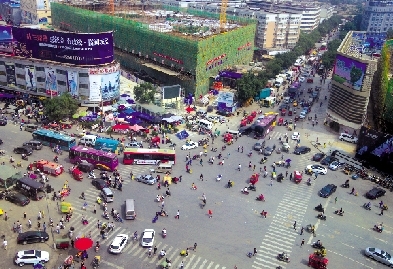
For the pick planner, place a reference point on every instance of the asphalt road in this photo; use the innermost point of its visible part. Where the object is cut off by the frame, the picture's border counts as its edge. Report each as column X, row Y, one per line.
column 236, row 226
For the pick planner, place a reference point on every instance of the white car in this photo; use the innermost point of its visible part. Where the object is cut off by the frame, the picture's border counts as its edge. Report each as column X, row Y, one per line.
column 335, row 165
column 31, row 257
column 295, row 136
column 317, row 169
column 379, row 255
column 301, row 79
column 189, row 145
column 118, row 243
column 148, row 238
column 302, row 115
column 348, row 138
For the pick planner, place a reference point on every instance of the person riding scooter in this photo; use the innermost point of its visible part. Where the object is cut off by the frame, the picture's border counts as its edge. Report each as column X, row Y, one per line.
column 56, row 159
column 261, row 197
column 245, row 190
column 230, row 184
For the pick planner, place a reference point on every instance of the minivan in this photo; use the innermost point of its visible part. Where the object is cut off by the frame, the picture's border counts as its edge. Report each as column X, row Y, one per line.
column 164, row 168
column 31, row 127
column 107, row 195
column 34, row 144
column 232, row 132
column 130, row 209
column 205, row 124
column 88, row 140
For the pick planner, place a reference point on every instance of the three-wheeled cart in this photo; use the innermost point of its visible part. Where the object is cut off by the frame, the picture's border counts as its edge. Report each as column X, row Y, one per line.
column 63, row 243
column 317, row 262
column 297, row 176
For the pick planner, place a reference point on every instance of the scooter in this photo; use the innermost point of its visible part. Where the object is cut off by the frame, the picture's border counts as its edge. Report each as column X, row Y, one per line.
column 283, row 257
column 317, row 245
column 321, row 217
column 245, row 192
column 345, row 185
column 319, row 208
column 24, row 157
column 366, row 206
column 163, row 233
column 376, row 228
column 105, row 216
column 260, row 198
column 338, row 212
column 91, row 175
column 252, row 188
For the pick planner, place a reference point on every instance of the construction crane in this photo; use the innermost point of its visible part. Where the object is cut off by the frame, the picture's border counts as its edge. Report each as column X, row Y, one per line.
column 223, row 15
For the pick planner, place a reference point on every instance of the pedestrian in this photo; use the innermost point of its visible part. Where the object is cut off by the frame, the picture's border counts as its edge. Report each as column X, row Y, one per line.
column 178, row 214
column 95, row 209
column 255, row 252
column 238, row 149
column 290, row 177
column 195, row 244
column 381, row 212
column 72, row 243
column 228, row 155
column 253, row 169
column 271, row 182
column 239, row 167
column 44, row 226
column 58, row 229
column 249, row 164
column 24, row 215
column 181, row 265
column 5, row 216
column 5, row 243
column 301, row 231
column 201, row 177
column 201, row 162
column 286, row 174
column 39, row 215
column 210, row 213
column 294, row 126
column 162, row 204
column 302, row 244
column 154, row 250
column 98, row 224
column 294, row 225
column 242, row 149
column 335, row 200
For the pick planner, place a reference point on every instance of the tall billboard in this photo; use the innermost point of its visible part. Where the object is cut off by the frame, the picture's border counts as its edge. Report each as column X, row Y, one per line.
column 105, row 85
column 31, row 79
column 74, row 48
column 349, row 72
column 72, row 82
column 10, row 73
column 6, row 39
column 51, row 81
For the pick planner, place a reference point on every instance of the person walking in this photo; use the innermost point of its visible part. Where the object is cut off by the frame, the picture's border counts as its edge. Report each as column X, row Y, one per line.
column 239, row 167
column 24, row 215
column 44, row 226
column 95, row 209
column 381, row 214
column 201, row 162
column 271, row 182
column 301, row 231
column 335, row 200
column 210, row 213
column 255, row 252
column 290, row 177
column 201, row 177
column 195, row 244
column 238, row 149
column 162, row 204
column 286, row 174
column 154, row 250
column 5, row 243
column 253, row 169
column 302, row 244
column 294, row 225
column 178, row 214
column 57, row 228
column 242, row 149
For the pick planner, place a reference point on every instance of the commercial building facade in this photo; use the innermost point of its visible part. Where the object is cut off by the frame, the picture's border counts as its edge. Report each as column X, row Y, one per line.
column 377, row 16
column 36, row 11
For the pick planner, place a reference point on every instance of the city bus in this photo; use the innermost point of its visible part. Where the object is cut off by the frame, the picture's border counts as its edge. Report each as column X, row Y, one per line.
column 265, row 125
column 107, row 144
column 99, row 158
column 148, row 156
column 52, row 139
column 293, row 89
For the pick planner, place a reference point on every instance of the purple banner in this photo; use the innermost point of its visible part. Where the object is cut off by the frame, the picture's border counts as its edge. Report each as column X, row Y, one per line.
column 79, row 49
column 229, row 74
column 349, row 72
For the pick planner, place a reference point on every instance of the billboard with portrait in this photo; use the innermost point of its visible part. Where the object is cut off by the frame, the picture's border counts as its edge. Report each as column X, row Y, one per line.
column 6, row 39
column 349, row 72
column 72, row 82
column 51, row 81
column 10, row 73
column 105, row 85
column 74, row 48
column 31, row 79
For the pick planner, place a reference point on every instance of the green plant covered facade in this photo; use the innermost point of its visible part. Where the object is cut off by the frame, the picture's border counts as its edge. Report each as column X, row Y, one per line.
column 202, row 58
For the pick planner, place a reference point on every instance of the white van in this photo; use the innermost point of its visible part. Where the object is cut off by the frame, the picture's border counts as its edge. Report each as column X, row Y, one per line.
column 130, row 209
column 107, row 195
column 232, row 132
column 205, row 124
column 88, row 140
column 164, row 168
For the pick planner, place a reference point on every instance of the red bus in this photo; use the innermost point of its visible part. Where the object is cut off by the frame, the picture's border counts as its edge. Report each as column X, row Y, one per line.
column 100, row 158
column 264, row 126
column 148, row 156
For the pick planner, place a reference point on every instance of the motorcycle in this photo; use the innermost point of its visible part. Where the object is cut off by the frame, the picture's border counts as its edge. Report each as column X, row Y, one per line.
column 251, row 188
column 345, row 185
column 338, row 212
column 378, row 228
column 367, row 206
column 162, row 254
column 97, row 248
column 56, row 159
column 245, row 192
column 260, row 198
column 25, row 158
column 319, row 208
column 163, row 233
column 317, row 245
column 283, row 257
column 105, row 216
column 321, row 217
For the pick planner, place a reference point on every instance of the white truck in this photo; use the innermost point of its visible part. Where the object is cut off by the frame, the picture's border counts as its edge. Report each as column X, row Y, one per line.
column 278, row 82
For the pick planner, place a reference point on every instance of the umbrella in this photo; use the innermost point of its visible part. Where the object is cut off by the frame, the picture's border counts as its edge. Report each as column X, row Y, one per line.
column 168, row 120
column 288, row 160
column 176, row 118
column 83, row 243
column 124, row 95
column 136, row 127
column 189, row 109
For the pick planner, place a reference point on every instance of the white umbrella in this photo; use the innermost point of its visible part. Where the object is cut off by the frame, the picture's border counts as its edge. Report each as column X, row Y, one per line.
column 168, row 120
column 176, row 118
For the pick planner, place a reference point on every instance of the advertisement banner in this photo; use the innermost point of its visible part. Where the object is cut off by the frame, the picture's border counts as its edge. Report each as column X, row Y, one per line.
column 349, row 72
column 108, row 85
column 95, row 88
column 10, row 71
column 6, row 39
column 72, row 82
column 74, row 48
column 31, row 79
column 51, row 81
column 104, row 70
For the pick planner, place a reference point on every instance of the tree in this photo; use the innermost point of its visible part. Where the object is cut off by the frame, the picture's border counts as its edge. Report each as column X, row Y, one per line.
column 144, row 93
column 355, row 74
column 61, row 107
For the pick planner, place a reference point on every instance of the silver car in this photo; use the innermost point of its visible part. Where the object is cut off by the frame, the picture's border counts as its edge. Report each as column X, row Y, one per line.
column 147, row 179
column 379, row 255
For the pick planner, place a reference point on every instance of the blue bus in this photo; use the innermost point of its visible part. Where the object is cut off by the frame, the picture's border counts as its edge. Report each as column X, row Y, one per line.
column 107, row 144
column 52, row 139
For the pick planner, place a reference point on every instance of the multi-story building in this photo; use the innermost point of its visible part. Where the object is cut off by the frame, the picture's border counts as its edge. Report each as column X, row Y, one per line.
column 356, row 63
column 377, row 16
column 36, row 11
column 326, row 12
column 275, row 30
column 10, row 12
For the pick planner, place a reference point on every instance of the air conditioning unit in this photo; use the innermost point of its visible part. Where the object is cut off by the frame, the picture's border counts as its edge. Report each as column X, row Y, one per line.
column 155, row 59
column 140, row 54
column 162, row 61
column 133, row 51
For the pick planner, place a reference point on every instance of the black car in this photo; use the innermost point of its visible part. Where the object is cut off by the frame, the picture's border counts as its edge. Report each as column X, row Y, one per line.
column 3, row 122
column 17, row 198
column 328, row 160
column 318, row 156
column 327, row 190
column 267, row 151
column 224, row 113
column 32, row 237
column 284, row 106
column 99, row 183
column 375, row 193
column 302, row 150
column 23, row 150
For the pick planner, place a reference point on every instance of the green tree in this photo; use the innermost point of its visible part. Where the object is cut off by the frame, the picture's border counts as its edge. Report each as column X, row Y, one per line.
column 61, row 107
column 144, row 93
column 356, row 74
